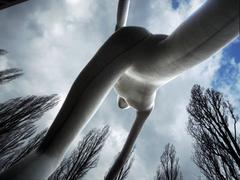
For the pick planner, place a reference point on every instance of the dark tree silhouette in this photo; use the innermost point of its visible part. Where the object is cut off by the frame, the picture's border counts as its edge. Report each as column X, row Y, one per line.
column 124, row 171
column 18, row 116
column 30, row 146
column 217, row 149
column 169, row 168
column 2, row 52
column 83, row 158
column 17, row 122
column 9, row 74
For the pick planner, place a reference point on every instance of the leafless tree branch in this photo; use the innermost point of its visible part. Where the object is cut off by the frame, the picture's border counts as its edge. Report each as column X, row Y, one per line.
column 169, row 168
column 84, row 158
column 17, row 122
column 9, row 74
column 217, row 150
column 2, row 52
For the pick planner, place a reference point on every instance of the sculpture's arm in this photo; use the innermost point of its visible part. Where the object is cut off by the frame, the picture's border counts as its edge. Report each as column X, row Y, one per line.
column 209, row 29
column 122, row 13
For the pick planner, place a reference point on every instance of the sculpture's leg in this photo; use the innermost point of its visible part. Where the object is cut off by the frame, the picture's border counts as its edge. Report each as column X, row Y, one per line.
column 42, row 162
column 86, row 94
column 135, row 130
column 210, row 28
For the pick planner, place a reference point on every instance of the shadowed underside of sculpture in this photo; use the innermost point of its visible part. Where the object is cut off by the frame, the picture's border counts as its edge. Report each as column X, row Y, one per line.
column 137, row 63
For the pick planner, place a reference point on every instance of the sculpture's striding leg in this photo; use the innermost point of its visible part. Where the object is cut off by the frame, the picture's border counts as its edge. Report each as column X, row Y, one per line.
column 86, row 94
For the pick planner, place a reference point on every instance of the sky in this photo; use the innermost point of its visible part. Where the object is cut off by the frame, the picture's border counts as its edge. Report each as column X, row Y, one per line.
column 52, row 41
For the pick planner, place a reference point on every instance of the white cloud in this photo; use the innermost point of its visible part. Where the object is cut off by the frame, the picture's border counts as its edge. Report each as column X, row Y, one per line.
column 164, row 19
column 80, row 9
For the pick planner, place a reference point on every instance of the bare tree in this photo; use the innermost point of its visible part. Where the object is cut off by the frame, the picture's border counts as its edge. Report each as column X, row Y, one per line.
column 169, row 168
column 9, row 74
column 30, row 146
column 124, row 171
column 17, row 122
column 18, row 116
column 84, row 158
column 217, row 149
column 2, row 52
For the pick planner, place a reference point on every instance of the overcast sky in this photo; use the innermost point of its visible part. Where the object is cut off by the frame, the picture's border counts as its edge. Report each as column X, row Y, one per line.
column 52, row 41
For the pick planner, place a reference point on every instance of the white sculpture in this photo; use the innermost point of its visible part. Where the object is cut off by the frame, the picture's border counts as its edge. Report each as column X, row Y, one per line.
column 136, row 63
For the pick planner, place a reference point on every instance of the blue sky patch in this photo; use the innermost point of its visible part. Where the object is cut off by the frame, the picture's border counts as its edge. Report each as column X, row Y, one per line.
column 175, row 4
column 234, row 49
column 228, row 75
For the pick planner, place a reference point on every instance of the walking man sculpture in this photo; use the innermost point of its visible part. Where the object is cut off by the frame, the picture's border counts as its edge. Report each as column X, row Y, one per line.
column 136, row 63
